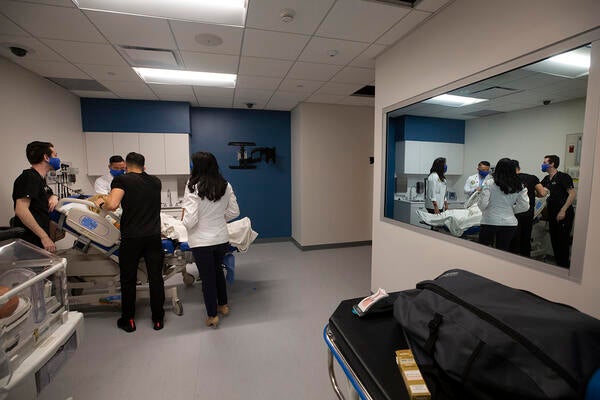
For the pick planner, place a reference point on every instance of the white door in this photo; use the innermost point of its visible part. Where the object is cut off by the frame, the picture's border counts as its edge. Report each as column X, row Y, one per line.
column 152, row 147
column 177, row 154
column 98, row 148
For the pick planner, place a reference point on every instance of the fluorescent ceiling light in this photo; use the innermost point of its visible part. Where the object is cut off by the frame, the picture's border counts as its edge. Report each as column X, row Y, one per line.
column 451, row 100
column 193, row 78
column 221, row 12
column 572, row 64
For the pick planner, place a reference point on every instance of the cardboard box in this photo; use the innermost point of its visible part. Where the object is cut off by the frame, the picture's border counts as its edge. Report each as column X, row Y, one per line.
column 415, row 384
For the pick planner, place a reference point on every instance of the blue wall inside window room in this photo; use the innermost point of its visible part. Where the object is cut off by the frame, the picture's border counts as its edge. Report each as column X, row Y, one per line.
column 264, row 193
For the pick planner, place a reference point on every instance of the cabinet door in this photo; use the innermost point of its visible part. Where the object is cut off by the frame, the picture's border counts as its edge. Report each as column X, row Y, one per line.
column 412, row 157
column 177, row 154
column 455, row 158
column 152, row 147
column 124, row 143
column 429, row 152
column 98, row 148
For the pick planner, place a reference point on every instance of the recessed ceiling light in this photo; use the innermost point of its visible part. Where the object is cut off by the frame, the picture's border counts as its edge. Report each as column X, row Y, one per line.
column 221, row 12
column 193, row 78
column 572, row 64
column 451, row 100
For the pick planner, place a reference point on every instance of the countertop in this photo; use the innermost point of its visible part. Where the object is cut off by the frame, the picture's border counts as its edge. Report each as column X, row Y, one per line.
column 423, row 202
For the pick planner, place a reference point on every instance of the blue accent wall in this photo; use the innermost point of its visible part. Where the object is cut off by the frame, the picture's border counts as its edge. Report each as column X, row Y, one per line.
column 427, row 129
column 264, row 193
column 394, row 132
column 117, row 115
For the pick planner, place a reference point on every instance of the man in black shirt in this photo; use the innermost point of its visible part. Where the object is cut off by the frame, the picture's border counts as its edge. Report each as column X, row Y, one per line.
column 521, row 243
column 33, row 199
column 560, row 208
column 139, row 196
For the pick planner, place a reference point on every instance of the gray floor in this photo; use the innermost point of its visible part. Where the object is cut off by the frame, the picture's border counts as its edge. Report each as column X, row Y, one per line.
column 269, row 347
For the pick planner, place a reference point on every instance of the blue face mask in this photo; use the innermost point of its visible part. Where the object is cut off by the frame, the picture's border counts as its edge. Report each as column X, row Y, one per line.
column 484, row 173
column 545, row 167
column 54, row 163
column 191, row 166
column 116, row 172
column 446, row 168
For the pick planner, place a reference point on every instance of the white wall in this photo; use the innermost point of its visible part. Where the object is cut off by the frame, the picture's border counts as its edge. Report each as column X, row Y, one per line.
column 331, row 174
column 467, row 37
column 32, row 108
column 525, row 135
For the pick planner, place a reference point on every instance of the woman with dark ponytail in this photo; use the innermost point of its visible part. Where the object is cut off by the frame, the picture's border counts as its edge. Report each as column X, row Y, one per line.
column 502, row 196
column 209, row 202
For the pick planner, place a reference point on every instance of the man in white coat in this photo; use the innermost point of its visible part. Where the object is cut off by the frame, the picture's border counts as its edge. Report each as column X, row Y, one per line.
column 474, row 182
column 116, row 167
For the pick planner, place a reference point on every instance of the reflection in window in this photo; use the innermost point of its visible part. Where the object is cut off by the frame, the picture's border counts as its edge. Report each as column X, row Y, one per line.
column 523, row 115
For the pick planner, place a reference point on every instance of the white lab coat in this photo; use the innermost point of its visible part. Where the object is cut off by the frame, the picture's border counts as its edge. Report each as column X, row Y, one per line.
column 498, row 208
column 205, row 220
column 472, row 183
column 102, row 184
column 436, row 191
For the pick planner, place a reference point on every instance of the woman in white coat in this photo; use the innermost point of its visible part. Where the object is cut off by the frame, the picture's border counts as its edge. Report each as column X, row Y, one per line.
column 435, row 196
column 502, row 196
column 209, row 202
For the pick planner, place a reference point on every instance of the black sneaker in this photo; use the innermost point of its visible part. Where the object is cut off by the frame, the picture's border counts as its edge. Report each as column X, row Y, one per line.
column 158, row 324
column 128, row 325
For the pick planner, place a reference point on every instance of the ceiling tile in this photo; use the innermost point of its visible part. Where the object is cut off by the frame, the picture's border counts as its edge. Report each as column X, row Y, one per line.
column 139, row 88
column 313, row 71
column 339, row 88
column 52, row 22
column 186, row 33
column 53, row 69
column 430, row 5
column 7, row 27
column 134, row 30
column 178, row 97
column 325, row 98
column 281, row 105
column 264, row 67
column 285, row 46
column 367, row 58
column 86, row 53
column 535, row 81
column 37, row 50
column 414, row 18
column 99, row 95
column 215, row 102
column 173, row 90
column 318, row 51
column 355, row 75
column 281, row 96
column 359, row 101
column 254, row 94
column 136, row 95
column 308, row 14
column 222, row 93
column 60, row 3
column 298, row 85
column 207, row 62
column 360, row 20
column 257, row 82
column 110, row 73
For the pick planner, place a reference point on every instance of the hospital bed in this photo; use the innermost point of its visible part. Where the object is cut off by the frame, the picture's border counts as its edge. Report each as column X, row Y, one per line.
column 93, row 271
column 463, row 222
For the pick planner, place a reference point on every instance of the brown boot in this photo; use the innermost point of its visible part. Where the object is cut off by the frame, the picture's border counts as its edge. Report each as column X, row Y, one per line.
column 224, row 309
column 212, row 321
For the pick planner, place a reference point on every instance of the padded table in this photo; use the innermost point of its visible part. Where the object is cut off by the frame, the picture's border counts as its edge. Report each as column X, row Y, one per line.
column 364, row 348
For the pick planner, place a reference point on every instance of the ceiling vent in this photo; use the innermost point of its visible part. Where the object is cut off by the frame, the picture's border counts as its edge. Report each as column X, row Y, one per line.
column 494, row 92
column 79, row 84
column 366, row 91
column 150, row 57
column 483, row 113
column 403, row 3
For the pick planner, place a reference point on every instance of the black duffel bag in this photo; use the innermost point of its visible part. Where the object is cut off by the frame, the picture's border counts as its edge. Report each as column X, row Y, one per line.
column 483, row 340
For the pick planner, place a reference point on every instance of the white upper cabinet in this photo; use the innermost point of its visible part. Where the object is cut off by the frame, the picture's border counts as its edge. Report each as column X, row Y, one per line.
column 418, row 156
column 165, row 153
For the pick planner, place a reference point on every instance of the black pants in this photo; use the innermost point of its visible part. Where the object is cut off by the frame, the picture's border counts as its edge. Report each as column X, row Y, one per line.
column 521, row 242
column 560, row 236
column 502, row 234
column 209, row 260
column 130, row 253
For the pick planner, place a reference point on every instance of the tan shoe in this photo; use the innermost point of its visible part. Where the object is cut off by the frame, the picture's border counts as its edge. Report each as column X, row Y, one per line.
column 212, row 321
column 224, row 309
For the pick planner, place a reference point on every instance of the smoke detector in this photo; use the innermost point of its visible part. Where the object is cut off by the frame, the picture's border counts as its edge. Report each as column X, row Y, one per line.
column 287, row 15
column 208, row 39
column 332, row 53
